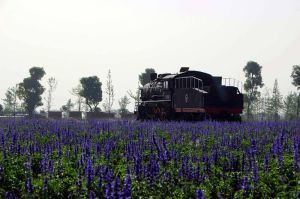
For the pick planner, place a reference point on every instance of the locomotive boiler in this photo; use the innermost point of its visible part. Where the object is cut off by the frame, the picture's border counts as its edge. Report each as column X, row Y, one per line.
column 190, row 95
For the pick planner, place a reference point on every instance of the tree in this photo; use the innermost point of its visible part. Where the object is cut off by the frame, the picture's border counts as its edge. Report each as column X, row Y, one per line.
column 253, row 82
column 296, row 76
column 1, row 109
column 145, row 77
column 267, row 103
column 123, row 102
column 258, row 108
column 52, row 83
column 109, row 90
column 135, row 96
column 11, row 100
column 30, row 90
column 91, row 91
column 276, row 101
column 290, row 106
column 79, row 99
column 296, row 82
column 68, row 106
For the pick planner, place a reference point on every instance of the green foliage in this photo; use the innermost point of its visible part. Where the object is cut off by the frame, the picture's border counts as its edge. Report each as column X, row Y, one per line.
column 145, row 77
column 30, row 90
column 290, row 106
column 11, row 100
column 296, row 76
column 91, row 91
column 218, row 177
column 253, row 82
column 276, row 103
column 68, row 106
column 296, row 82
column 123, row 102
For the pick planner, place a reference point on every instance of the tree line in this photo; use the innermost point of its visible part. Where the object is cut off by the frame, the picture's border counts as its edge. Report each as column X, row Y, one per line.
column 264, row 105
column 27, row 95
column 269, row 104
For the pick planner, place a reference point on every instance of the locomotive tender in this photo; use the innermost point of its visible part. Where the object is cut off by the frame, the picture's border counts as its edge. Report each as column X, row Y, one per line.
column 189, row 95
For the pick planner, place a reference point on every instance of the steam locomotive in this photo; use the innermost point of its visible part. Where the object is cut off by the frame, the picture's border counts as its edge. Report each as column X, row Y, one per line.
column 190, row 95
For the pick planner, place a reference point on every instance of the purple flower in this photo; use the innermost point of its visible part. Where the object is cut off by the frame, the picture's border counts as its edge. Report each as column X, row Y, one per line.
column 89, row 173
column 199, row 194
column 9, row 195
column 255, row 173
column 137, row 166
column 115, row 188
column 245, row 186
column 197, row 173
column 296, row 154
column 108, row 191
column 92, row 195
column 28, row 185
column 266, row 163
column 45, row 186
column 167, row 176
column 243, row 162
column 253, row 148
column 127, row 187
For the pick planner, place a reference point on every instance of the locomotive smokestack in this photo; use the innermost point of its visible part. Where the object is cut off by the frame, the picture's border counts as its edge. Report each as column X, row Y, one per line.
column 184, row 69
column 153, row 76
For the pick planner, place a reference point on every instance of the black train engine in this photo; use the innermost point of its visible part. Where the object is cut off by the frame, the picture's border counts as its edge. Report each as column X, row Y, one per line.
column 189, row 95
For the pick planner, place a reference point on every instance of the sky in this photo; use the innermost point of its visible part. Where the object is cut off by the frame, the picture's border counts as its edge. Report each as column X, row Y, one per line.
column 71, row 39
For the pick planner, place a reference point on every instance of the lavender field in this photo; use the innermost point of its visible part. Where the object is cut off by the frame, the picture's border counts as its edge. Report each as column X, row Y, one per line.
column 121, row 159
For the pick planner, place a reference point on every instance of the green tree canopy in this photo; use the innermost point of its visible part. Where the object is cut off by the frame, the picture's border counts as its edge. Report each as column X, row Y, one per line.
column 123, row 102
column 1, row 109
column 296, row 76
column 296, row 82
column 68, row 106
column 253, row 82
column 276, row 101
column 37, row 73
column 145, row 77
column 91, row 91
column 290, row 106
column 30, row 90
column 10, row 100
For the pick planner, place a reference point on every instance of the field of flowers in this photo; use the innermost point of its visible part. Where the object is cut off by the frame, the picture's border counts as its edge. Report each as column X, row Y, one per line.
column 121, row 159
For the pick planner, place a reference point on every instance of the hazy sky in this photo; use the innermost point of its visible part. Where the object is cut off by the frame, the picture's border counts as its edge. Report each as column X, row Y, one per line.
column 76, row 38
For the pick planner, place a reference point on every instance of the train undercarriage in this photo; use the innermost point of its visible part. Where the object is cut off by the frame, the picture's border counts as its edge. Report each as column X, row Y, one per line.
column 164, row 111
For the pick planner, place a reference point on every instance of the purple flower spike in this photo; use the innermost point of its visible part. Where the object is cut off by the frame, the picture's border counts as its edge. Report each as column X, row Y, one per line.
column 28, row 185
column 245, row 186
column 266, row 163
column 127, row 187
column 45, row 186
column 199, row 194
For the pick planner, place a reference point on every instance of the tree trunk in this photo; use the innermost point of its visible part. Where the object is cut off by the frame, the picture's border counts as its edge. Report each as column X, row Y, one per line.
column 30, row 113
column 248, row 110
column 91, row 109
column 95, row 108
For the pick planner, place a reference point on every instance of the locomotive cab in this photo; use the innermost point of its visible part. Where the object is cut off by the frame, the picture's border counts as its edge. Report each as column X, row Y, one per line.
column 188, row 97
